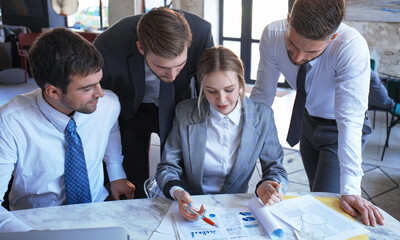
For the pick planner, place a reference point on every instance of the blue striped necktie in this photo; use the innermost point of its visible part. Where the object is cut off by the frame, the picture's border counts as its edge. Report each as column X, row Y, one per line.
column 76, row 178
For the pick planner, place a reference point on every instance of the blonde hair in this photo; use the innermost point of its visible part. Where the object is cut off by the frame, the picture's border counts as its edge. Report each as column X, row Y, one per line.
column 216, row 59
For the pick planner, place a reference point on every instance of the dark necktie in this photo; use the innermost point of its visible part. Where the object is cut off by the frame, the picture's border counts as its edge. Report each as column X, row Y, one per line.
column 166, row 110
column 76, row 178
column 293, row 136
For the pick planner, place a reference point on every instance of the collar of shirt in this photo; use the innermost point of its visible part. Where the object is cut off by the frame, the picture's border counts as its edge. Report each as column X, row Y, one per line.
column 149, row 75
column 58, row 119
column 152, row 86
column 234, row 116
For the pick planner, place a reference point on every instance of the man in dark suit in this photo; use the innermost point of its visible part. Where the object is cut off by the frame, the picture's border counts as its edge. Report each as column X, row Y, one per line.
column 145, row 55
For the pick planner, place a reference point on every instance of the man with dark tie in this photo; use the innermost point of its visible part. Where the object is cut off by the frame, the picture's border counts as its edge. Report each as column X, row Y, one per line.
column 150, row 61
column 53, row 140
column 328, row 63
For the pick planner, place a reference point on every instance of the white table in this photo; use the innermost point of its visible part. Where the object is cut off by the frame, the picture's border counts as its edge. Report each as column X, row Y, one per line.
column 142, row 216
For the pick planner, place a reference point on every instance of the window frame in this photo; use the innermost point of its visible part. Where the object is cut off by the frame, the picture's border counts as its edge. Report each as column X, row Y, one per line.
column 245, row 39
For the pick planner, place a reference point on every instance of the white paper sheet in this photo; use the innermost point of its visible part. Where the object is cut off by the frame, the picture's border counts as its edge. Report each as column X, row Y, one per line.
column 266, row 219
column 233, row 224
column 338, row 226
column 166, row 226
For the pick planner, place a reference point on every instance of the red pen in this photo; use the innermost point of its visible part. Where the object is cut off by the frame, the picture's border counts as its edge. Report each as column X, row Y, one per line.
column 202, row 217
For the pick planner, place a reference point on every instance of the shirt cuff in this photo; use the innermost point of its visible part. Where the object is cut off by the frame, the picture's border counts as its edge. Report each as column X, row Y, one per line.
column 350, row 185
column 173, row 189
column 13, row 225
column 115, row 171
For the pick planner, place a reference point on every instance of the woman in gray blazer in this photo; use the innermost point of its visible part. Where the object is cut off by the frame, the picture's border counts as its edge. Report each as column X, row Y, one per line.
column 217, row 138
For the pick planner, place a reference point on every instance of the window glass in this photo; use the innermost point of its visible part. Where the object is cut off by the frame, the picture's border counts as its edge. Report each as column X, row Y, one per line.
column 255, row 59
column 232, row 18
column 265, row 12
column 233, row 45
column 149, row 4
column 88, row 15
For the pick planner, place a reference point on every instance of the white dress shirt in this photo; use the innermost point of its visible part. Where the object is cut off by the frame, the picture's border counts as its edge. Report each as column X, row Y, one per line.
column 223, row 138
column 33, row 145
column 337, row 86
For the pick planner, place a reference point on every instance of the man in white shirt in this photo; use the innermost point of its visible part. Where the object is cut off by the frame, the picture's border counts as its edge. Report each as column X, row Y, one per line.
column 33, row 130
column 335, row 59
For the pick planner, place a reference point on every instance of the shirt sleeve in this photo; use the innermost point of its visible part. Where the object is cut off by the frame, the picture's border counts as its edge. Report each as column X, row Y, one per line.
column 351, row 103
column 8, row 158
column 271, row 155
column 113, row 155
column 268, row 73
column 169, row 169
column 9, row 223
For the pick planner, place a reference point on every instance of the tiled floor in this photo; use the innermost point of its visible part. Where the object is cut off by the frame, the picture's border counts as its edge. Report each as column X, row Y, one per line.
column 381, row 180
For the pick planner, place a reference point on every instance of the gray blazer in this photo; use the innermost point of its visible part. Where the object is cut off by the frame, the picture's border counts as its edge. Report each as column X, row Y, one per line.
column 183, row 157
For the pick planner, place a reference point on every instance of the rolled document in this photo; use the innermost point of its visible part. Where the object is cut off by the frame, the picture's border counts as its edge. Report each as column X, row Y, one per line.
column 266, row 219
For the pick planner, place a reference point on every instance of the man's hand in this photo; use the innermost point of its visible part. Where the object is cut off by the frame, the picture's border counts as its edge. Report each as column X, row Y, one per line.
column 184, row 198
column 370, row 214
column 270, row 192
column 122, row 187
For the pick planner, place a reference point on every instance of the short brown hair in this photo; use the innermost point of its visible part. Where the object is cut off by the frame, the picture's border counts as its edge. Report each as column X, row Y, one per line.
column 164, row 32
column 217, row 59
column 59, row 54
column 317, row 19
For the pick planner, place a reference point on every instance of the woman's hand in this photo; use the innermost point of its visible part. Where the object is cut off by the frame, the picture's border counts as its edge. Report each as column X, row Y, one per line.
column 270, row 192
column 183, row 199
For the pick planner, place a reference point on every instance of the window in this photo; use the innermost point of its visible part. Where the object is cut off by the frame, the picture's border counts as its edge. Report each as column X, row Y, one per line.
column 89, row 17
column 241, row 24
column 149, row 4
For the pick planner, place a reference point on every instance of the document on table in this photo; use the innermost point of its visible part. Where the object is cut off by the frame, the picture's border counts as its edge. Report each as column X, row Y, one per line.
column 234, row 223
column 338, row 226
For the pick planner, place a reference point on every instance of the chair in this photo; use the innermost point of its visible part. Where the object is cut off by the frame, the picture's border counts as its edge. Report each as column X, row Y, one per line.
column 88, row 36
column 393, row 87
column 25, row 40
column 378, row 98
column 151, row 188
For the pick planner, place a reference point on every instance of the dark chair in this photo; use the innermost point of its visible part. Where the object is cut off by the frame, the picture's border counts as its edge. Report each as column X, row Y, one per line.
column 25, row 41
column 378, row 99
column 393, row 87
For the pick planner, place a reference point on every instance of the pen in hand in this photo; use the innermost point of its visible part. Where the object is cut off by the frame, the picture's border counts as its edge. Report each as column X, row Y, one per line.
column 202, row 217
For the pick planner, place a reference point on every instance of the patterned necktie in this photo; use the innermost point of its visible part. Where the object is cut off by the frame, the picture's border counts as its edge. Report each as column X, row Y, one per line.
column 166, row 110
column 76, row 178
column 293, row 136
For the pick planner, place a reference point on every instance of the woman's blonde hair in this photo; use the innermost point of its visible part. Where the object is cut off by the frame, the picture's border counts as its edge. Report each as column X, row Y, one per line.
column 217, row 59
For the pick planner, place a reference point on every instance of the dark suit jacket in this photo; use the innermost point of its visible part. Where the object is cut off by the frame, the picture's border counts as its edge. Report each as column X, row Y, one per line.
column 123, row 70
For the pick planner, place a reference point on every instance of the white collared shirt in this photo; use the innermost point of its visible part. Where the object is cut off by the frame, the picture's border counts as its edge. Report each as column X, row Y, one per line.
column 33, row 145
column 223, row 139
column 337, row 86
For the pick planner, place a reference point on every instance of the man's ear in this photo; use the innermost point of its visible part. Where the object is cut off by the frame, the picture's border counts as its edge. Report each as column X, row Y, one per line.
column 53, row 92
column 140, row 49
column 288, row 18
